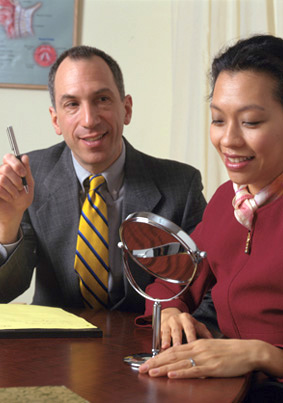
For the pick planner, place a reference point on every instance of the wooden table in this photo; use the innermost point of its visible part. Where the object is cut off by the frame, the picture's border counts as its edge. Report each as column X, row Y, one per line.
column 94, row 368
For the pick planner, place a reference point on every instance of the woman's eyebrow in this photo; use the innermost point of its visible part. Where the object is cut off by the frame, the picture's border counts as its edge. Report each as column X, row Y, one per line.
column 242, row 109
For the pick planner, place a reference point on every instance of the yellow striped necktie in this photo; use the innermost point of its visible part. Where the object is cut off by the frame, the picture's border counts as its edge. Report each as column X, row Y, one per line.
column 92, row 257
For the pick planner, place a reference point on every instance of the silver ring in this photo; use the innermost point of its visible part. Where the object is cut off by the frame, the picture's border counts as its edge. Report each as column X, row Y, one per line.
column 193, row 363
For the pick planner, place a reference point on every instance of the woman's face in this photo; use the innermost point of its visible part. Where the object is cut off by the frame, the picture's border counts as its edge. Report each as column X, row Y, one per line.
column 247, row 127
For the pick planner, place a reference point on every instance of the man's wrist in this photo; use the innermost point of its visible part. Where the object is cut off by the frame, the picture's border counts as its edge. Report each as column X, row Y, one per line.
column 6, row 249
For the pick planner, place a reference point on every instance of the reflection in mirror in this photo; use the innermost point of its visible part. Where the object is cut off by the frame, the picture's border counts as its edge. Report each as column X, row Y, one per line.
column 165, row 251
column 177, row 268
column 158, row 251
column 143, row 235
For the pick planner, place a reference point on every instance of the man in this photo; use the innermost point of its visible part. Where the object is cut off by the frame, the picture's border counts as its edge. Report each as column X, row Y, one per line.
column 39, row 228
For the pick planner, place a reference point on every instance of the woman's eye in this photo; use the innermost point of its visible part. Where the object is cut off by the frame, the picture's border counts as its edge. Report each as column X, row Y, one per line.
column 216, row 122
column 252, row 124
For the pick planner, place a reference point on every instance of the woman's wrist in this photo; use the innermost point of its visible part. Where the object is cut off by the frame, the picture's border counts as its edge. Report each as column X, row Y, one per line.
column 267, row 358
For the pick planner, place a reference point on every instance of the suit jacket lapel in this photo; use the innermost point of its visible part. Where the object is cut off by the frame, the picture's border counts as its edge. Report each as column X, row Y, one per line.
column 59, row 218
column 141, row 193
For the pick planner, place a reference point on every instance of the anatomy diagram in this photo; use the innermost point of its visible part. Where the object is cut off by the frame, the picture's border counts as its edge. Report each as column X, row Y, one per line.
column 16, row 20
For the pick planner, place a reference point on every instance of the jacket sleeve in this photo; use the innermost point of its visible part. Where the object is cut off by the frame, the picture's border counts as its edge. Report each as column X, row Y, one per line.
column 16, row 271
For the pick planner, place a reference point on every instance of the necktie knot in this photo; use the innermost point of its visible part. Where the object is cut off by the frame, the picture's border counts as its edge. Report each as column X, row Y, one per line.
column 95, row 182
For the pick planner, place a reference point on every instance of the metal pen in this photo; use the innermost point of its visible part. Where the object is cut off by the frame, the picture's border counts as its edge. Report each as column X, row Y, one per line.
column 15, row 149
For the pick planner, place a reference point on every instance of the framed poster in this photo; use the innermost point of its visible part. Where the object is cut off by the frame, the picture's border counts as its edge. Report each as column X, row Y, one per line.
column 32, row 34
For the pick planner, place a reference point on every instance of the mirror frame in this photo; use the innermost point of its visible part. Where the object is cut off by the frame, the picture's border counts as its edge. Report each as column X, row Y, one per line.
column 176, row 232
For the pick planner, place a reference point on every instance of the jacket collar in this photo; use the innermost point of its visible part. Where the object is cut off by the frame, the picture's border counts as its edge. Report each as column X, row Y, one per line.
column 141, row 192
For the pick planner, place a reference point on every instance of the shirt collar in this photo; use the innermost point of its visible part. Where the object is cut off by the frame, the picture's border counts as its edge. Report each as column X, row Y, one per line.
column 114, row 175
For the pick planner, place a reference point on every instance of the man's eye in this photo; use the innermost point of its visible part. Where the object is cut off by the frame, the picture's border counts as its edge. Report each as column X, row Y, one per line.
column 71, row 104
column 104, row 99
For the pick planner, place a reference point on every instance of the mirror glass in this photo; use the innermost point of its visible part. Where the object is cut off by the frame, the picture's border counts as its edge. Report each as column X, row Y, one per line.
column 158, row 252
column 160, row 247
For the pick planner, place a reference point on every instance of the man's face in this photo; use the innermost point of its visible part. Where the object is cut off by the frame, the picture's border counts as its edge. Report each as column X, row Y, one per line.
column 89, row 112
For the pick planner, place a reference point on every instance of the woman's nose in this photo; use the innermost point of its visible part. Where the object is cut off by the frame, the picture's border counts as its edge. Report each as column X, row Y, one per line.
column 232, row 136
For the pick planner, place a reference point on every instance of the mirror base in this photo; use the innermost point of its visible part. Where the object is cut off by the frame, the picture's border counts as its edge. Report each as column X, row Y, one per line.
column 136, row 360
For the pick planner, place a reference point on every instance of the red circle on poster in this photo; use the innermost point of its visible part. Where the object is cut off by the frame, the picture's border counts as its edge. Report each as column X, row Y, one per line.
column 45, row 55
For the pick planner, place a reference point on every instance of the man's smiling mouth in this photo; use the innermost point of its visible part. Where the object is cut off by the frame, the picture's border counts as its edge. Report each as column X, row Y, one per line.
column 93, row 139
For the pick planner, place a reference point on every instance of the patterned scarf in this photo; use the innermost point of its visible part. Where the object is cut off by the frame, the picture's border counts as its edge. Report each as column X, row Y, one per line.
column 245, row 204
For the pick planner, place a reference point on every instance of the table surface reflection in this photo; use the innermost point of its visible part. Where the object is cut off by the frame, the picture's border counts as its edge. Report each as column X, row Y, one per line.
column 94, row 368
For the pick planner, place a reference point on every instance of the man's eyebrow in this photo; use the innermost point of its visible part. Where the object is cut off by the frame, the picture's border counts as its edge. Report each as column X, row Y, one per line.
column 103, row 90
column 65, row 97
column 243, row 109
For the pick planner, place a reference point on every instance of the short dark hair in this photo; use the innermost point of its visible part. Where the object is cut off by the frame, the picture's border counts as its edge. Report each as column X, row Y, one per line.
column 85, row 52
column 259, row 53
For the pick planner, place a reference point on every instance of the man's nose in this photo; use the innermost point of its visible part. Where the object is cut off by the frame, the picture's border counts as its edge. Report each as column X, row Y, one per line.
column 89, row 116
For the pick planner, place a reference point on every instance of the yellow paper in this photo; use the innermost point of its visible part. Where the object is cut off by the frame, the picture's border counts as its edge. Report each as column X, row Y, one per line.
column 17, row 316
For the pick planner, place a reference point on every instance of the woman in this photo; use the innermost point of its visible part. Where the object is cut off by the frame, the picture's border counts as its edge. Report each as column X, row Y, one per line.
column 242, row 227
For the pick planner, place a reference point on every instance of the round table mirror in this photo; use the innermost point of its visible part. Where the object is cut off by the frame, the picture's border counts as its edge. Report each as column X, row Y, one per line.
column 162, row 249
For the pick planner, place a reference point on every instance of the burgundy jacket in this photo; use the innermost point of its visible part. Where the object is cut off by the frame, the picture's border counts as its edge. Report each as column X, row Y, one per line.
column 247, row 288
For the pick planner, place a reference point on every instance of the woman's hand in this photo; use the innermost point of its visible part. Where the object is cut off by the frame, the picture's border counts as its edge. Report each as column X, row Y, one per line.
column 173, row 323
column 212, row 358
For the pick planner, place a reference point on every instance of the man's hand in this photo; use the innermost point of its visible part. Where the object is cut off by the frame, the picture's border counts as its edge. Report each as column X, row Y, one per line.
column 13, row 198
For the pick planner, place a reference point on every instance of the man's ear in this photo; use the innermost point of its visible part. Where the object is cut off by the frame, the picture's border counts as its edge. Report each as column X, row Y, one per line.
column 128, row 104
column 54, row 120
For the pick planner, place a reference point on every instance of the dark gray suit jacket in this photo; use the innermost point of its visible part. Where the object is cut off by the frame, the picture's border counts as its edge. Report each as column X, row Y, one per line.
column 50, row 224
